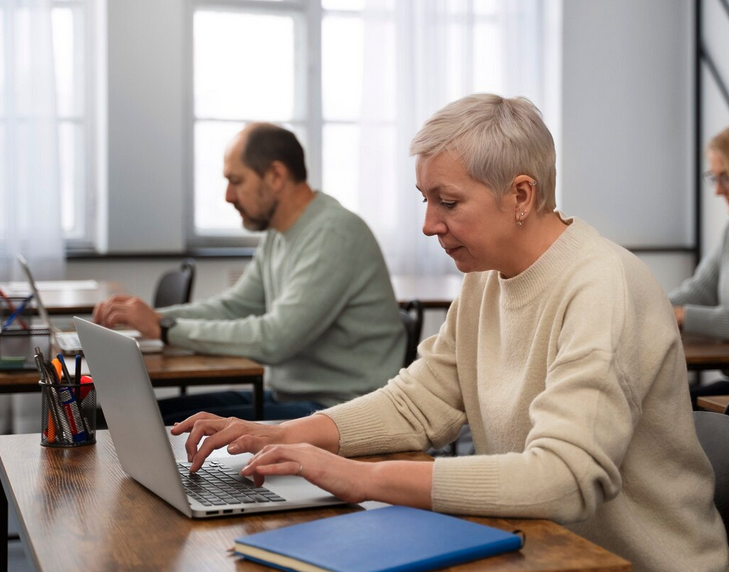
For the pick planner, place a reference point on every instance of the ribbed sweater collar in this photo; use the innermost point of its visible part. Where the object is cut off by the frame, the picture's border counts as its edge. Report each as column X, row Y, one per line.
column 540, row 276
column 317, row 205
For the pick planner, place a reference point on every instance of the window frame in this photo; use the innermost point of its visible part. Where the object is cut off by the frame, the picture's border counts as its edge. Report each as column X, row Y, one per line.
column 307, row 103
column 86, row 61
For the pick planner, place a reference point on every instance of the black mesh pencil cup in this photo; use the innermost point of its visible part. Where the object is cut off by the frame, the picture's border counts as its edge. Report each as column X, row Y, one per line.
column 68, row 414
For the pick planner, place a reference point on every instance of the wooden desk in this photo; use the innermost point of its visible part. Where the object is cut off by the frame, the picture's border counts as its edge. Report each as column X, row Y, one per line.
column 67, row 300
column 432, row 291
column 705, row 353
column 77, row 510
column 172, row 368
column 715, row 403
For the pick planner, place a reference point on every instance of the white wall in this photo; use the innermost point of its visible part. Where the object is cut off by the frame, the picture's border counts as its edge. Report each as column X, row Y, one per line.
column 625, row 162
column 139, row 276
column 626, row 136
column 146, row 125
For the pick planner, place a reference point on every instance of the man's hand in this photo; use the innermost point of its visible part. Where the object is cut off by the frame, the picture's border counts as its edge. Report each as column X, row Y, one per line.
column 128, row 311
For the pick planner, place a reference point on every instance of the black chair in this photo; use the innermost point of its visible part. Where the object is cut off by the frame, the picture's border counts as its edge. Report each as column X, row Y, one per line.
column 412, row 319
column 713, row 432
column 175, row 287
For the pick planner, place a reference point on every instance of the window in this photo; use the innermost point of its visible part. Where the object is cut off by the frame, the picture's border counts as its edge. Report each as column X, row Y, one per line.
column 249, row 64
column 45, row 88
column 304, row 63
column 72, row 37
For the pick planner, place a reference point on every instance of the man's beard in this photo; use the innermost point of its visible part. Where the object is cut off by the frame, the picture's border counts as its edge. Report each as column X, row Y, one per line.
column 262, row 221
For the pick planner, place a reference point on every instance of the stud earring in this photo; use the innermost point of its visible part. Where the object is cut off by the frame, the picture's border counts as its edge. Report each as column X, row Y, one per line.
column 533, row 183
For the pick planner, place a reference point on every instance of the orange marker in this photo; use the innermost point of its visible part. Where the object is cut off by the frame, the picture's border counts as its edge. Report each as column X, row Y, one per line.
column 51, row 429
column 59, row 369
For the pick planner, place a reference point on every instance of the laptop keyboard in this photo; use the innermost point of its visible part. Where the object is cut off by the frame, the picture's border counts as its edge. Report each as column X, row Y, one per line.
column 215, row 484
column 68, row 342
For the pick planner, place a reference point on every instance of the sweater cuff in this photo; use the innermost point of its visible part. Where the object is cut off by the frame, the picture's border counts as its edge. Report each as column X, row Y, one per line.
column 178, row 335
column 360, row 428
column 705, row 320
column 465, row 485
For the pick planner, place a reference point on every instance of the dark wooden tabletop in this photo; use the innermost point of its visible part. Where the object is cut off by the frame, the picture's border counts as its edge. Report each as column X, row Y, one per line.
column 68, row 300
column 715, row 403
column 705, row 353
column 171, row 368
column 79, row 511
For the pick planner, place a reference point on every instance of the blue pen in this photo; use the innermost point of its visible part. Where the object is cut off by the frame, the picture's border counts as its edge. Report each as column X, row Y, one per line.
column 17, row 312
column 11, row 307
column 77, row 377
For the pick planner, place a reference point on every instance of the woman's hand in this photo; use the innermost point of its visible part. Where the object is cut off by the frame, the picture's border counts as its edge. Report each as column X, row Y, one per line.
column 346, row 479
column 240, row 436
column 250, row 437
column 396, row 482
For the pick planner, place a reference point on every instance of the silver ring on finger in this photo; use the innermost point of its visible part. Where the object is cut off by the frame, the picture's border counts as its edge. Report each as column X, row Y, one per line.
column 301, row 470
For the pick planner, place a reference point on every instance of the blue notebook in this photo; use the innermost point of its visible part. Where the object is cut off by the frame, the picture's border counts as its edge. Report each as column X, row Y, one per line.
column 391, row 539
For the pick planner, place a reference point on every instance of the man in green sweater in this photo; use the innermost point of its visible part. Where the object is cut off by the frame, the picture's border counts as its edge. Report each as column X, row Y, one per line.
column 315, row 303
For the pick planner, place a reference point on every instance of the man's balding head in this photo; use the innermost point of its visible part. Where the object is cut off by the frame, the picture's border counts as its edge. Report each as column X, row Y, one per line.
column 260, row 144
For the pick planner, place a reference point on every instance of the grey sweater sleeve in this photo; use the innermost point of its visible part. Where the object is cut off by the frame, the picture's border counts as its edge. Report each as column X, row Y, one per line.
column 699, row 295
column 311, row 297
column 245, row 298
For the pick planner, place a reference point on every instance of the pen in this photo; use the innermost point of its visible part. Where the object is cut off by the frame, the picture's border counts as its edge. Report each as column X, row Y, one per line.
column 17, row 312
column 53, row 425
column 77, row 392
column 72, row 414
column 77, row 376
column 64, row 370
column 11, row 307
column 39, row 365
column 53, row 371
column 53, row 375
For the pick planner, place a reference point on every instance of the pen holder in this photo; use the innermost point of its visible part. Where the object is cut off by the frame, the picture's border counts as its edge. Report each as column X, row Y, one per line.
column 17, row 346
column 68, row 414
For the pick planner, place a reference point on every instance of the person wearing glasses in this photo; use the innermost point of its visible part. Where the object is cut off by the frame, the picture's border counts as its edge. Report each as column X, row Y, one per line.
column 561, row 351
column 701, row 303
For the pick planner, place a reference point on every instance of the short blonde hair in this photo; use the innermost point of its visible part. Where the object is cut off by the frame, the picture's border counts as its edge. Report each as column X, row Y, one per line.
column 720, row 144
column 497, row 139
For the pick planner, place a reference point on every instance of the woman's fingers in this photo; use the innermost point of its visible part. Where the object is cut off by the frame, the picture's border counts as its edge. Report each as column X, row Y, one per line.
column 343, row 478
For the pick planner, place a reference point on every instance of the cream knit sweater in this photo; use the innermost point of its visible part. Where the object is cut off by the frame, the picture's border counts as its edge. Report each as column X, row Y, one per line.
column 573, row 380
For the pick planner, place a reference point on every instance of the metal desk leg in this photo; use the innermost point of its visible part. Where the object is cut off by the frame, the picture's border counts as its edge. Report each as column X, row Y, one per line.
column 258, row 398
column 4, row 532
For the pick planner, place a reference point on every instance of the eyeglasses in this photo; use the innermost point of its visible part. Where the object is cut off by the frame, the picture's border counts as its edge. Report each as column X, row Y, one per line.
column 712, row 179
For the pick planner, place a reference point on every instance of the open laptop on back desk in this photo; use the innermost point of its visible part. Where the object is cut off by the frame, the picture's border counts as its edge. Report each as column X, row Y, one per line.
column 67, row 341
column 143, row 447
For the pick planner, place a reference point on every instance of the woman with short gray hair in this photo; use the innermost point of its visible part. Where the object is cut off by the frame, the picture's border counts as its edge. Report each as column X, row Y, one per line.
column 561, row 352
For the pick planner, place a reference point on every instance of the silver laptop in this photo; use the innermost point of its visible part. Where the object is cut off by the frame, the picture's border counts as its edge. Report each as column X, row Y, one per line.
column 68, row 342
column 144, row 450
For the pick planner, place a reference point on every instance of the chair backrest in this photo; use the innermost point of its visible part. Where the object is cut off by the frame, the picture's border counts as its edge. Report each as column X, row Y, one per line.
column 412, row 320
column 175, row 287
column 713, row 432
